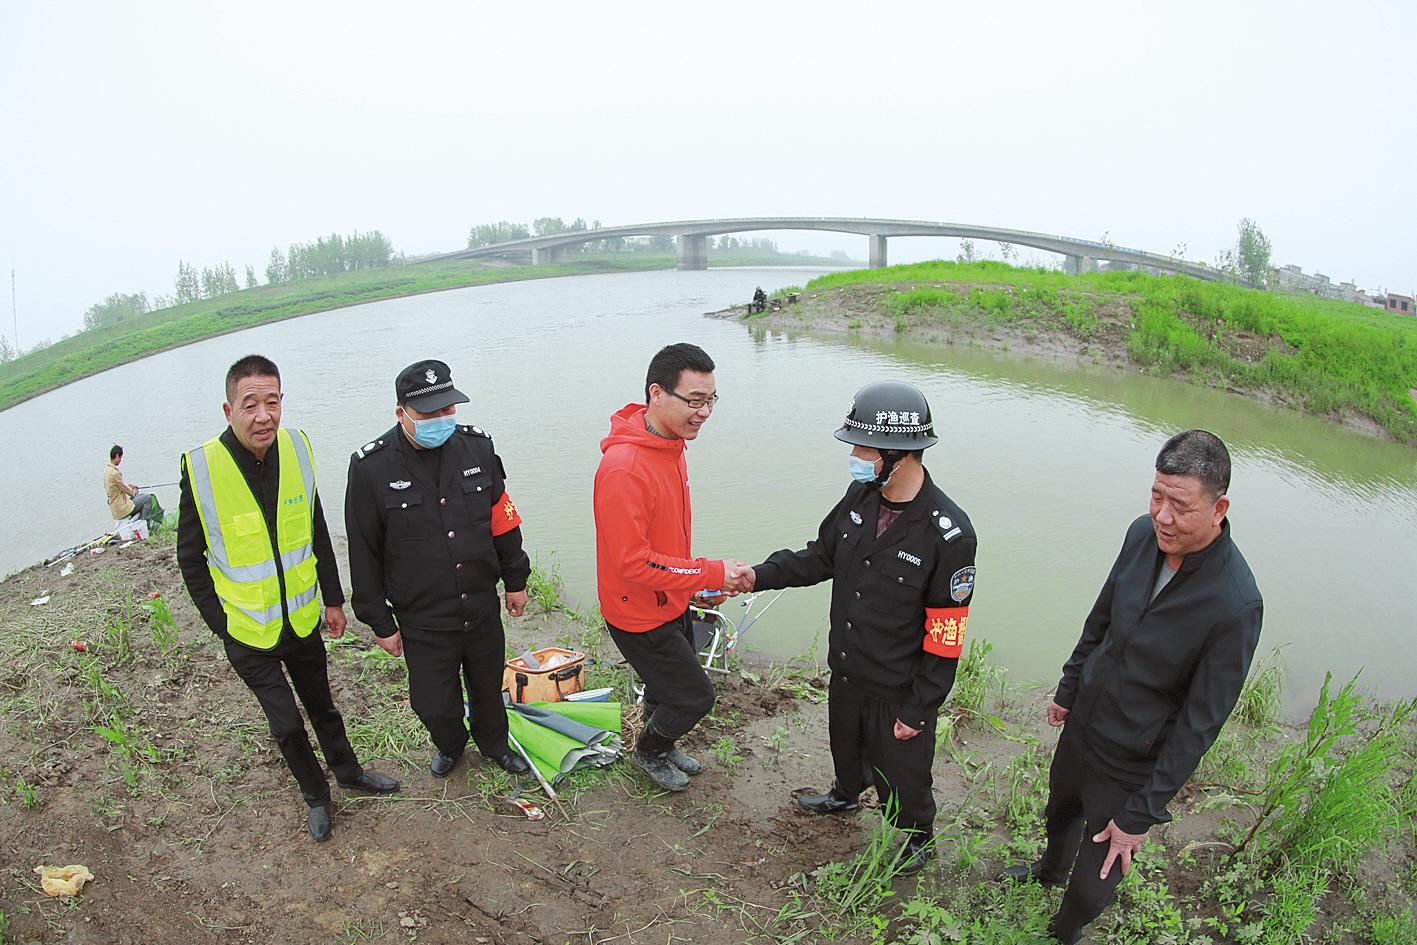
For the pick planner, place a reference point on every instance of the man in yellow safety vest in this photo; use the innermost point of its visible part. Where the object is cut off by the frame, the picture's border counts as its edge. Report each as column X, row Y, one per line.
column 256, row 557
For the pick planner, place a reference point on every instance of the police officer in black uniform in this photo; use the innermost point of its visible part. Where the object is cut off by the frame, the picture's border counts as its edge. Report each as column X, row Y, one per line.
column 431, row 531
column 900, row 555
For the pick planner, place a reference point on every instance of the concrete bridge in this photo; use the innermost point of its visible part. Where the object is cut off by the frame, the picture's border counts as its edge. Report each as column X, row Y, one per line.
column 692, row 236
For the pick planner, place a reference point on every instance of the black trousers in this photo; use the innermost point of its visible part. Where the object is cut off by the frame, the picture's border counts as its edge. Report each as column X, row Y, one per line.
column 303, row 659
column 865, row 751
column 440, row 663
column 1080, row 803
column 678, row 692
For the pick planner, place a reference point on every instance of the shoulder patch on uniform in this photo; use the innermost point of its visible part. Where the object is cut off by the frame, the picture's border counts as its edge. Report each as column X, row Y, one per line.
column 473, row 431
column 371, row 447
column 949, row 531
column 962, row 584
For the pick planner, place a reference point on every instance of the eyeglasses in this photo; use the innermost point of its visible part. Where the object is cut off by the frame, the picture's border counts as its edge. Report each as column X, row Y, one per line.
column 697, row 403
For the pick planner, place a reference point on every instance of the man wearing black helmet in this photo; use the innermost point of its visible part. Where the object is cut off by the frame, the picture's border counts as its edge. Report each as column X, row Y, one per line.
column 900, row 556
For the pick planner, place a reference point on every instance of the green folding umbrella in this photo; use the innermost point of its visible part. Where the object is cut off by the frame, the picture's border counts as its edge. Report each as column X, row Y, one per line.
column 557, row 738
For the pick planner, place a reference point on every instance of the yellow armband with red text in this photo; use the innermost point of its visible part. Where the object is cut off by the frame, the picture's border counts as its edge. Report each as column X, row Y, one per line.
column 505, row 516
column 944, row 630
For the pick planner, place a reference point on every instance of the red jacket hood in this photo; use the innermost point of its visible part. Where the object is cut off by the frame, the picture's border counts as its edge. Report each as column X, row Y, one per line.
column 627, row 425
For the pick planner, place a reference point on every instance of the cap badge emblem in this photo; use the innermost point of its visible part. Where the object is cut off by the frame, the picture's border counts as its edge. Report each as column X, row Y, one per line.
column 855, row 518
column 400, row 484
column 432, row 376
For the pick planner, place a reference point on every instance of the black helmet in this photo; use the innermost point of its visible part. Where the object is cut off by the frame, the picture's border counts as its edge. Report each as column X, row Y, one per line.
column 888, row 415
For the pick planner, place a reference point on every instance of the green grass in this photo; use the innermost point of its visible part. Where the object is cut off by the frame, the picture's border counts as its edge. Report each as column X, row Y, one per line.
column 91, row 352
column 1322, row 356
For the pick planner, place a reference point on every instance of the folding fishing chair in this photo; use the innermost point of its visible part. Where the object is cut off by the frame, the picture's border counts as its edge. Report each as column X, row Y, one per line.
column 716, row 633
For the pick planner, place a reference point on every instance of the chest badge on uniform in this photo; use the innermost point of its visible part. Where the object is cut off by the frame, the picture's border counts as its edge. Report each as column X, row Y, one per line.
column 400, row 484
column 855, row 518
column 962, row 584
column 907, row 556
column 472, row 472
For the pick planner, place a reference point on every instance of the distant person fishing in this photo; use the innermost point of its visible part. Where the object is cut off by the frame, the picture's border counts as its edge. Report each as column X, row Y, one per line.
column 126, row 500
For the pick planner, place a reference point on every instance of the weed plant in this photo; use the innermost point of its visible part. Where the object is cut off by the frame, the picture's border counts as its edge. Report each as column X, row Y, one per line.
column 975, row 678
column 1262, row 697
column 160, row 623
column 1320, row 808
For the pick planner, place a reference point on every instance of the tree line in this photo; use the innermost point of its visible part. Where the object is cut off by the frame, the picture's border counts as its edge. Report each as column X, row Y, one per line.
column 326, row 256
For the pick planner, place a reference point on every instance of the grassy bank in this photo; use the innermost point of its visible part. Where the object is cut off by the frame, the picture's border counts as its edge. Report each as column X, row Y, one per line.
column 91, row 352
column 127, row 744
column 1318, row 355
column 1284, row 835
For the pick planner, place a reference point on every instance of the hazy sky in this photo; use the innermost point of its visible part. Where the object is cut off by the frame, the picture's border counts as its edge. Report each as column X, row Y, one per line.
column 135, row 135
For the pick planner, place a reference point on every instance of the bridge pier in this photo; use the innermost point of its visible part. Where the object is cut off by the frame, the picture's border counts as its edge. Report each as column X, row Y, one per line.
column 693, row 252
column 876, row 252
column 551, row 254
column 1077, row 265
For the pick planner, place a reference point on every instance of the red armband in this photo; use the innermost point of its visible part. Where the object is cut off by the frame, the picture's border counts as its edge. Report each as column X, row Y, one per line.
column 505, row 516
column 944, row 630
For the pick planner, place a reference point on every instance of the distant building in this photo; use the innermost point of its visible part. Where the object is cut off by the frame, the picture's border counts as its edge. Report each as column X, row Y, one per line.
column 1293, row 279
column 1400, row 304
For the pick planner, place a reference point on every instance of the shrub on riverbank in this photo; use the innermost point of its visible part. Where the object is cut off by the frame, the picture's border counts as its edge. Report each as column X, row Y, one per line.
column 1322, row 356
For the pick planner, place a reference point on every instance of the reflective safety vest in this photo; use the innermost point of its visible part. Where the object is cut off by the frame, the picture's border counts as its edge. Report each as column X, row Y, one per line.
column 239, row 553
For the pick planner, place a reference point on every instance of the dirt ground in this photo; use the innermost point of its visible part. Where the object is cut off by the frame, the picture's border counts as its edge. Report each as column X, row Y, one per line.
column 195, row 832
column 209, row 842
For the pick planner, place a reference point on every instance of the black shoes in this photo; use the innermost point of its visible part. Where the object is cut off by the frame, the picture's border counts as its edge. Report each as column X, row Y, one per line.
column 1026, row 873
column 371, row 782
column 829, row 803
column 660, row 770
column 318, row 823
column 685, row 763
column 512, row 763
column 442, row 765
column 916, row 854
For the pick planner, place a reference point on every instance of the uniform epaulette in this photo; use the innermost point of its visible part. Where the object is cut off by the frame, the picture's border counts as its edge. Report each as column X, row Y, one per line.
column 367, row 448
column 949, row 529
column 473, row 431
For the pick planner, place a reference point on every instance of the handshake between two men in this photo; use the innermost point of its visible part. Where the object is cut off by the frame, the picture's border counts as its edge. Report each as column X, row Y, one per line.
column 738, row 578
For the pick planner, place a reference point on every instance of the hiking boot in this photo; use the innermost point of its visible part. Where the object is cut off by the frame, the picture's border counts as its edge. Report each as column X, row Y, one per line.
column 660, row 771
column 1026, row 873
column 916, row 854
column 831, row 802
column 685, row 763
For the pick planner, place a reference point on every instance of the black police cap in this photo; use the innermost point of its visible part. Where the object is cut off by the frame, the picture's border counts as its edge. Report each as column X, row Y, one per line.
column 427, row 386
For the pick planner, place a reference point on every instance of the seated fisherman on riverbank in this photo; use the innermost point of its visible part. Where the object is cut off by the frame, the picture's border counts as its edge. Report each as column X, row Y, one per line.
column 124, row 499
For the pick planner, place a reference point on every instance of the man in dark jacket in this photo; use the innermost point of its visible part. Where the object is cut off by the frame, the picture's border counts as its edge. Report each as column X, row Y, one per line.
column 1162, row 658
column 900, row 556
column 431, row 532
column 253, row 546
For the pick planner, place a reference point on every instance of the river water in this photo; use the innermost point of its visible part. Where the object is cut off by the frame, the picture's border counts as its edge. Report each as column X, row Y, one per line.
column 1050, row 462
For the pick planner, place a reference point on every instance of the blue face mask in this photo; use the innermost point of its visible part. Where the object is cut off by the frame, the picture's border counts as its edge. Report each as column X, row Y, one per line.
column 433, row 432
column 862, row 470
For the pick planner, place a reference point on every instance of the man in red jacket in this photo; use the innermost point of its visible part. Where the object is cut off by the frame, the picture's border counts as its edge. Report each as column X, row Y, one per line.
column 644, row 569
